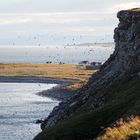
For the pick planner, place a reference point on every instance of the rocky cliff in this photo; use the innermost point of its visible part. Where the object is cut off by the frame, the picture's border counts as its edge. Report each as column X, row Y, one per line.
column 91, row 108
column 126, row 56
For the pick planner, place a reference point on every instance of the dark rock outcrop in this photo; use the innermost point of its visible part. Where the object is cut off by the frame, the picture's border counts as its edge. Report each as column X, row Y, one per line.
column 126, row 58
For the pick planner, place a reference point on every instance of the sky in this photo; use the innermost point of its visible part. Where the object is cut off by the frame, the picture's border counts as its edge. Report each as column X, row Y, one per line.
column 59, row 21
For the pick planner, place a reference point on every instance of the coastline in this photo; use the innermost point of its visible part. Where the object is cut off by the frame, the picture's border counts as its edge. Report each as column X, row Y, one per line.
column 60, row 92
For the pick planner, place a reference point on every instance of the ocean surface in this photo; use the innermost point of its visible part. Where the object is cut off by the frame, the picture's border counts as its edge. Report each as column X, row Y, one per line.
column 55, row 54
column 20, row 107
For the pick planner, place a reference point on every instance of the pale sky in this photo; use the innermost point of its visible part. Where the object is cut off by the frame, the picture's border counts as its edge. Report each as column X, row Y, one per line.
column 94, row 20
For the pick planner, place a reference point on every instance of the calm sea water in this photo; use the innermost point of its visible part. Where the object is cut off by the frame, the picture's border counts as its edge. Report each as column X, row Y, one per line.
column 55, row 54
column 20, row 107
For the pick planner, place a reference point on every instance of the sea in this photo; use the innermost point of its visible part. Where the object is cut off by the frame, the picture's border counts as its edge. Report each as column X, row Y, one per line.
column 55, row 54
column 20, row 107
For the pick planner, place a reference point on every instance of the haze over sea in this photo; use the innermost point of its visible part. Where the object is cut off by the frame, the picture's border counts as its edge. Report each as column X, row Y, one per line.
column 55, row 54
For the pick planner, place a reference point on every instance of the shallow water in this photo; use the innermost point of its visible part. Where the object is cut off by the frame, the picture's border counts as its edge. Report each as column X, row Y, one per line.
column 55, row 54
column 20, row 107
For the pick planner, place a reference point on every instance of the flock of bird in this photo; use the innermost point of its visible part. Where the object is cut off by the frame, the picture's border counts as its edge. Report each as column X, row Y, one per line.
column 57, row 57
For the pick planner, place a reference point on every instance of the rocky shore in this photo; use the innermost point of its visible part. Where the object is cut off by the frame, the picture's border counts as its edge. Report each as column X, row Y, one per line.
column 28, row 79
column 60, row 92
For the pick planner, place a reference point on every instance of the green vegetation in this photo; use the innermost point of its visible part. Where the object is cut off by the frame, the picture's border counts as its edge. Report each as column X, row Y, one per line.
column 122, row 99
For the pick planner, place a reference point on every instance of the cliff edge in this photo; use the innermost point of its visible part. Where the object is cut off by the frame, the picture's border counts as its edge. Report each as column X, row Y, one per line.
column 111, row 94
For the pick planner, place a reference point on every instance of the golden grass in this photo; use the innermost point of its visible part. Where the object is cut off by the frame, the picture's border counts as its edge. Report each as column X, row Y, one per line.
column 64, row 71
column 124, row 130
column 135, row 10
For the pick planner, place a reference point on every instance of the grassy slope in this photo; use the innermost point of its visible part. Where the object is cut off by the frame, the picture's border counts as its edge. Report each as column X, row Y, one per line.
column 129, row 130
column 121, row 98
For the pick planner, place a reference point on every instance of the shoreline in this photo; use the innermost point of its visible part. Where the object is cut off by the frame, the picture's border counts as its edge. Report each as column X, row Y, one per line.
column 60, row 92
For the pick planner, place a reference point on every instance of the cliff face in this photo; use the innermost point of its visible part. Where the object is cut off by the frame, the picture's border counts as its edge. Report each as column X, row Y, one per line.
column 127, row 38
column 95, row 95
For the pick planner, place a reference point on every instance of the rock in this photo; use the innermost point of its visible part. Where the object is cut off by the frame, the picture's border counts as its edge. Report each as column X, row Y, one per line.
column 139, row 74
column 39, row 121
column 125, row 58
column 73, row 104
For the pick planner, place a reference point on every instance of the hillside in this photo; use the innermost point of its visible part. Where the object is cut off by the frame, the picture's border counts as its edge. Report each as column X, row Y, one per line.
column 111, row 94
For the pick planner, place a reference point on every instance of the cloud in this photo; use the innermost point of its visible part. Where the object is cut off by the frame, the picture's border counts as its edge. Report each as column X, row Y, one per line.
column 63, row 23
column 14, row 21
column 48, row 18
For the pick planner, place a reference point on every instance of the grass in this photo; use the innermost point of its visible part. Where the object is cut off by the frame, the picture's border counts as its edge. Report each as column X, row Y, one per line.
column 123, row 130
column 122, row 99
column 57, row 71
column 134, row 136
column 135, row 10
